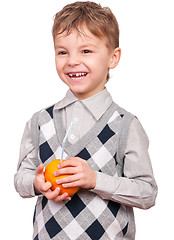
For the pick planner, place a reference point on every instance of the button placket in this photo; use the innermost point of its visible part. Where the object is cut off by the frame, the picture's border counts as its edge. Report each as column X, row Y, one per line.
column 75, row 120
column 72, row 136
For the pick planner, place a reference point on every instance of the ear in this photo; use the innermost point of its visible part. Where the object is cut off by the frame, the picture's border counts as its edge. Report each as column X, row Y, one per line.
column 115, row 58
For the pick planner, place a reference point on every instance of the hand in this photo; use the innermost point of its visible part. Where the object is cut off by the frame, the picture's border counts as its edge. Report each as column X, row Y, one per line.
column 81, row 174
column 43, row 187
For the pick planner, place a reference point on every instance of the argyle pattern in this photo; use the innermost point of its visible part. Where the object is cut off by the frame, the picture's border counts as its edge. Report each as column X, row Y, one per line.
column 87, row 215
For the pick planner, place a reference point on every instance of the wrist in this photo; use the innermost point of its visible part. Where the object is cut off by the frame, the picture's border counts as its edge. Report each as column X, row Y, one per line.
column 36, row 190
column 93, row 180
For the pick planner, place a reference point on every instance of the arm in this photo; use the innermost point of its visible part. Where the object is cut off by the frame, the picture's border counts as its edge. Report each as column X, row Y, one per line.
column 29, row 180
column 138, row 187
column 26, row 168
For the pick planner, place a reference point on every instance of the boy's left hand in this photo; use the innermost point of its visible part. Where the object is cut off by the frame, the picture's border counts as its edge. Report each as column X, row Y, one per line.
column 81, row 174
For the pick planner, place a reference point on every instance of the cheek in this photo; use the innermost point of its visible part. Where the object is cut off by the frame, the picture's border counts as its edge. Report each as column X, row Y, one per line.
column 100, row 65
column 56, row 63
column 59, row 72
column 59, row 66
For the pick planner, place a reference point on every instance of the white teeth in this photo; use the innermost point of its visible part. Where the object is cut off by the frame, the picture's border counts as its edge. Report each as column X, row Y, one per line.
column 77, row 74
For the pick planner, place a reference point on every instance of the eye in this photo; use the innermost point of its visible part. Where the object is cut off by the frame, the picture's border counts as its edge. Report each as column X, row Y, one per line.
column 62, row 53
column 87, row 51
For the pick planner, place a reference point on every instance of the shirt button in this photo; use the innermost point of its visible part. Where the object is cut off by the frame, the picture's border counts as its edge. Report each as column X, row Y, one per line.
column 76, row 120
column 72, row 136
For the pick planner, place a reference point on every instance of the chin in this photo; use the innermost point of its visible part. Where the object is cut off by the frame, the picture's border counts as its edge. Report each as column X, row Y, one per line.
column 79, row 93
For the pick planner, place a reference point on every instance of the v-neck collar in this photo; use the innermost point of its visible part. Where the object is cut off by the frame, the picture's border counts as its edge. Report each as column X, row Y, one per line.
column 73, row 149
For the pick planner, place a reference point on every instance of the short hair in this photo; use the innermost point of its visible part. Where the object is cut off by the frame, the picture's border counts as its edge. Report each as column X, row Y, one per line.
column 99, row 20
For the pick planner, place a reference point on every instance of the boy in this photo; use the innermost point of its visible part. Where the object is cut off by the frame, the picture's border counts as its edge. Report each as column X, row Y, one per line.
column 107, row 149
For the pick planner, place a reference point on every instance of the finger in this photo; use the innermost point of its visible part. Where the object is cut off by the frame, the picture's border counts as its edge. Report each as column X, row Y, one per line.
column 62, row 197
column 45, row 187
column 71, row 184
column 71, row 178
column 39, row 169
column 50, row 195
column 65, row 170
column 70, row 162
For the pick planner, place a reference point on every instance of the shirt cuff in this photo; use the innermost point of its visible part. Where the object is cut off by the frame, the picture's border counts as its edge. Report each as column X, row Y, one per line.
column 26, row 187
column 105, row 185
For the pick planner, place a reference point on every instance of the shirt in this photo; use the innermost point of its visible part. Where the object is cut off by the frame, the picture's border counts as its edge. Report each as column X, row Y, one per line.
column 137, row 162
column 76, row 111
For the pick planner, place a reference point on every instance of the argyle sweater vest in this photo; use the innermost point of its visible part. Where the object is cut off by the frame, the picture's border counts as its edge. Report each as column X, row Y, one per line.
column 87, row 215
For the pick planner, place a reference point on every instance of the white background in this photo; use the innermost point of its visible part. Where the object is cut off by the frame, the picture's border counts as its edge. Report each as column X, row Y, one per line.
column 142, row 84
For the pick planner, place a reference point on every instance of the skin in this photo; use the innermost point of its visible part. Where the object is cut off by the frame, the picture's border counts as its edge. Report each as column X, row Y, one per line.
column 41, row 186
column 82, row 62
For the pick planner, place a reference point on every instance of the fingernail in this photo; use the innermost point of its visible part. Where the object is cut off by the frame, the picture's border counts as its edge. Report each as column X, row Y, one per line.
column 49, row 184
column 57, row 181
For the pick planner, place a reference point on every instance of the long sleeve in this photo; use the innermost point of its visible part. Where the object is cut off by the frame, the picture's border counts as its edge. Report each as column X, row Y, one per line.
column 138, row 187
column 24, row 177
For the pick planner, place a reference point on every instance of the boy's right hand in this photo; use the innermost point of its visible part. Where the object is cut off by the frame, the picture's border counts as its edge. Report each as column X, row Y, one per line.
column 43, row 187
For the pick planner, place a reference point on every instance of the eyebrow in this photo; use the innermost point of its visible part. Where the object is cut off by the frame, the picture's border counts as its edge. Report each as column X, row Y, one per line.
column 85, row 45
column 88, row 45
column 59, row 46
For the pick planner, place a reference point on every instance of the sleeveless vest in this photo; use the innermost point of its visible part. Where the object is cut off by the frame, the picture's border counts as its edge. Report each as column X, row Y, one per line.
column 87, row 215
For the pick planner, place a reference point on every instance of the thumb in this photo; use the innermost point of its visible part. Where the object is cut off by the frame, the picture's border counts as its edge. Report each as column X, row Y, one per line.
column 40, row 169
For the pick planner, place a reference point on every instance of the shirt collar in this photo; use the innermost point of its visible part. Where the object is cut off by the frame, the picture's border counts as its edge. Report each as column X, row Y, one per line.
column 96, row 104
column 67, row 100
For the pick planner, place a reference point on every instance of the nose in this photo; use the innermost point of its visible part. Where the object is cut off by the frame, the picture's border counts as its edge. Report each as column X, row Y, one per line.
column 74, row 60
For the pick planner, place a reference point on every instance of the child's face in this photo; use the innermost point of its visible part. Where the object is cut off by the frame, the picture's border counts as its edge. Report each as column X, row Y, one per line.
column 83, row 61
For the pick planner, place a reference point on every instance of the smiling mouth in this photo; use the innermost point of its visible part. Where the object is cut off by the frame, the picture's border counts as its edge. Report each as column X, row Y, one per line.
column 77, row 75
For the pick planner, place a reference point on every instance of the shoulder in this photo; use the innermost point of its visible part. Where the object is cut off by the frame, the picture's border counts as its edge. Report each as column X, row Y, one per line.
column 136, row 131
column 49, row 110
column 126, row 116
column 40, row 118
column 131, row 125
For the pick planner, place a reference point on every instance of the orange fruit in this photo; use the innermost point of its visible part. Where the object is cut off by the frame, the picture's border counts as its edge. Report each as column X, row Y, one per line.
column 49, row 176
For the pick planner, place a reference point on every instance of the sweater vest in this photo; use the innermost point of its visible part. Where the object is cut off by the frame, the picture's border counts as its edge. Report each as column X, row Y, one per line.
column 87, row 215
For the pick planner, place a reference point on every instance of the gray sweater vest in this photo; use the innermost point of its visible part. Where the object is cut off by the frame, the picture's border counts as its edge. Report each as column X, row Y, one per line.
column 86, row 216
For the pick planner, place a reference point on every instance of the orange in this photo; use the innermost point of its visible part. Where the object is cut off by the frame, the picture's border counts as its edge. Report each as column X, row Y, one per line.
column 49, row 176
